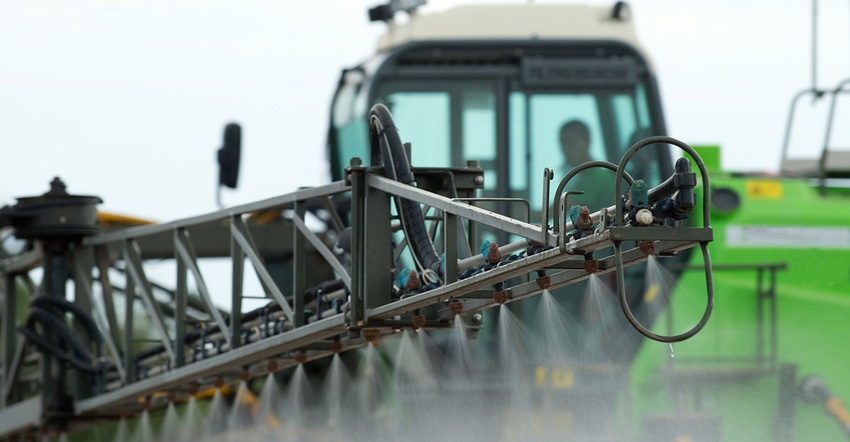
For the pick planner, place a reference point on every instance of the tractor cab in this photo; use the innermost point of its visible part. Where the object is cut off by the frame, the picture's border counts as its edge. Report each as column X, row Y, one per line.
column 509, row 86
column 516, row 88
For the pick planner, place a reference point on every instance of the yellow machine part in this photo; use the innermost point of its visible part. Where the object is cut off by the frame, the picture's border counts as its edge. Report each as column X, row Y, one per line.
column 109, row 220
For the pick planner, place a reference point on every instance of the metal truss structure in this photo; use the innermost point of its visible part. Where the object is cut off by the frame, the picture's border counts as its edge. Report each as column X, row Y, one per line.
column 197, row 345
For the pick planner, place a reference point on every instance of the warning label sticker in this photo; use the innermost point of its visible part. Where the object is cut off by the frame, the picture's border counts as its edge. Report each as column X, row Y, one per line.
column 765, row 189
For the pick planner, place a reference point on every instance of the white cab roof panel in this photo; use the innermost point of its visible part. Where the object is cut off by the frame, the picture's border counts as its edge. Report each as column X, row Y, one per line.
column 509, row 22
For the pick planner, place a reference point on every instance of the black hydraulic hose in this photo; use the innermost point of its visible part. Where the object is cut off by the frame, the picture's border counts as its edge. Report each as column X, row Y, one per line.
column 79, row 314
column 56, row 350
column 62, row 333
column 384, row 138
column 675, row 183
column 273, row 307
column 49, row 311
column 333, row 285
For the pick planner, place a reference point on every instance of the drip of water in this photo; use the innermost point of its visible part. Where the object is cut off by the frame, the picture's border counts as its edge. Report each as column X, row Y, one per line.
column 672, row 353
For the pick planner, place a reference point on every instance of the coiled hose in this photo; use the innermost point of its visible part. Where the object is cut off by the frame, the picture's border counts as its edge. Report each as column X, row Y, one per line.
column 49, row 311
column 384, row 138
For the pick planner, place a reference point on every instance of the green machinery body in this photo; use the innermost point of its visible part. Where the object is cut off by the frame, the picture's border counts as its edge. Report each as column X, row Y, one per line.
column 780, row 258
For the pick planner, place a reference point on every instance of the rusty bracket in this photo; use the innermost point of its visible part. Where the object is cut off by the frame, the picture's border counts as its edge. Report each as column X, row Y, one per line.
column 647, row 247
column 501, row 296
column 542, row 281
column 419, row 320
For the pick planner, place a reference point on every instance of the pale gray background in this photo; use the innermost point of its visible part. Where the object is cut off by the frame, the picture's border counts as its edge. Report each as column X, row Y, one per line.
column 126, row 99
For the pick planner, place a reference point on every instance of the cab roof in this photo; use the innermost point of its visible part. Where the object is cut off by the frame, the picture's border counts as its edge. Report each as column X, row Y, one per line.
column 514, row 22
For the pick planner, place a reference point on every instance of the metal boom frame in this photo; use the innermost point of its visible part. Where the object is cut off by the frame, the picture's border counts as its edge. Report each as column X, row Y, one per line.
column 198, row 346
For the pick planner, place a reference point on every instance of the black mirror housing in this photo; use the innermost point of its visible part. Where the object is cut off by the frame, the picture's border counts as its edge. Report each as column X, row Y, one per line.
column 228, row 156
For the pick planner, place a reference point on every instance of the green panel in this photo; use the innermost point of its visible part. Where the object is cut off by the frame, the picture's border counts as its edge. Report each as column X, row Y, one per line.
column 777, row 221
column 710, row 157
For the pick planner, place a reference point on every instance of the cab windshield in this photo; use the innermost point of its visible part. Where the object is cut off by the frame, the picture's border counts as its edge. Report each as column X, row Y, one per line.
column 516, row 108
column 513, row 129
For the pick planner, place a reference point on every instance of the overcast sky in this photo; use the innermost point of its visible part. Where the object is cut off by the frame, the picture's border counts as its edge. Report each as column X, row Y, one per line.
column 126, row 99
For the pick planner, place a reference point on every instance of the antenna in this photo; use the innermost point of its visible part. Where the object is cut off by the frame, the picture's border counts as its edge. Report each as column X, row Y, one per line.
column 815, row 45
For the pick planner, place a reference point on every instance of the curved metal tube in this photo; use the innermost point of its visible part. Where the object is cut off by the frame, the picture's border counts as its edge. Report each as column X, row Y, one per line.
column 618, row 254
column 575, row 171
column 816, row 94
column 828, row 132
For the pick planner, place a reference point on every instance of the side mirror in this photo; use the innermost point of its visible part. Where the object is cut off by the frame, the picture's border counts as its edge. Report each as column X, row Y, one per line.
column 228, row 156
